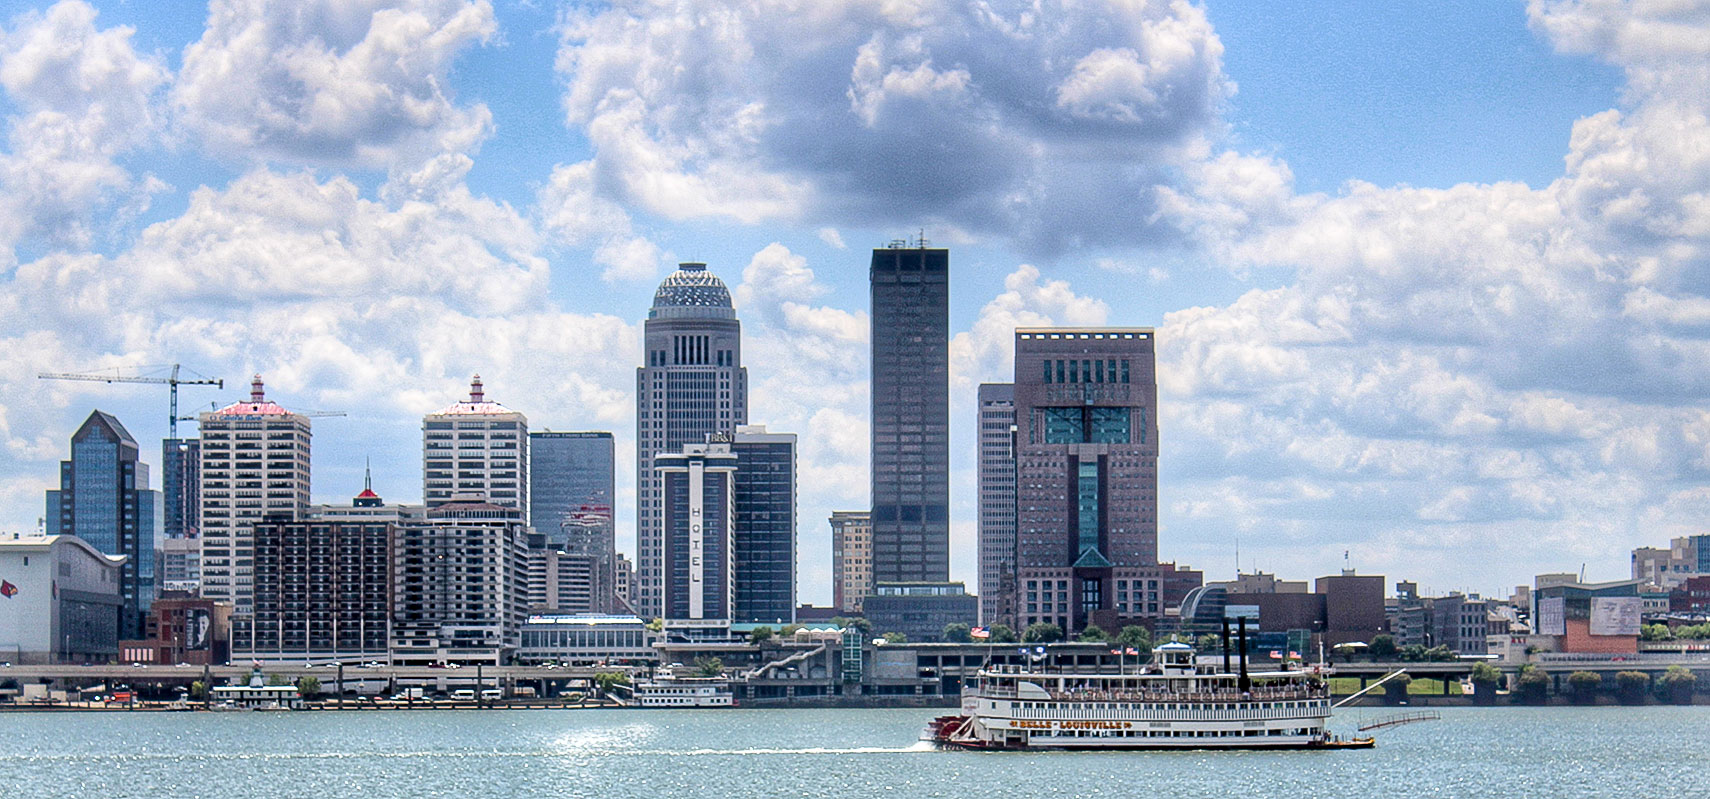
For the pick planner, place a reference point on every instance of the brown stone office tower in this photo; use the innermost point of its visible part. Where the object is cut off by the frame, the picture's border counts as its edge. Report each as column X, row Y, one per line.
column 1086, row 477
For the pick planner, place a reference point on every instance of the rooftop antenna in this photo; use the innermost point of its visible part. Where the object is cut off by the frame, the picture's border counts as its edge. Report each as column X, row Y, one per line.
column 367, row 475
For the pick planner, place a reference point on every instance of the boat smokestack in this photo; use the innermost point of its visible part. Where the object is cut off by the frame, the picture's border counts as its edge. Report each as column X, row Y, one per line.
column 1241, row 627
column 1227, row 666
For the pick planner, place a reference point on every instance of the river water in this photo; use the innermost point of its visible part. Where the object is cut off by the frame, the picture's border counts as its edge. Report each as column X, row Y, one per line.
column 1471, row 752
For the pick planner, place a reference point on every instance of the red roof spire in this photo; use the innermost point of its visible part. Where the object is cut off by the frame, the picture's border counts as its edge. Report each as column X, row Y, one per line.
column 475, row 393
column 367, row 499
column 255, row 392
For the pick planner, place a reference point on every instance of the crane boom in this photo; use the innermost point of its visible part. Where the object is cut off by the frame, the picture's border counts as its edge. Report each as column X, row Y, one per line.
column 171, row 381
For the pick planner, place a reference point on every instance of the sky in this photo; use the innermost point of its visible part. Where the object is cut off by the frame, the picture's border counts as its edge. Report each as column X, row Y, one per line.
column 1429, row 280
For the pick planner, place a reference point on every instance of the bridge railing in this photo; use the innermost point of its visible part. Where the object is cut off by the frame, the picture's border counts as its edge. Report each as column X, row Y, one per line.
column 1646, row 658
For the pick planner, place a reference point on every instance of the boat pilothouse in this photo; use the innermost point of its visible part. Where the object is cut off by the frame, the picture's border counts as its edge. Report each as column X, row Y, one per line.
column 1175, row 702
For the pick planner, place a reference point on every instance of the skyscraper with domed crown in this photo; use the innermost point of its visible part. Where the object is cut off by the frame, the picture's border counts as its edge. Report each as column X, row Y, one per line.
column 692, row 383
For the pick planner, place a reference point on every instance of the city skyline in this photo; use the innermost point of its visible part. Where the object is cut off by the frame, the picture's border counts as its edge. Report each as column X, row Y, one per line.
column 1457, row 309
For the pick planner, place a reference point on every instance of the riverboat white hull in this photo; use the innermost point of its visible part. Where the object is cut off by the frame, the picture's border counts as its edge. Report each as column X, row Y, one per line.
column 668, row 690
column 1173, row 704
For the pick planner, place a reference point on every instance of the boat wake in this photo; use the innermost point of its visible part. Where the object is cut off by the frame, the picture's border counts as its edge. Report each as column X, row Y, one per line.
column 597, row 751
column 917, row 746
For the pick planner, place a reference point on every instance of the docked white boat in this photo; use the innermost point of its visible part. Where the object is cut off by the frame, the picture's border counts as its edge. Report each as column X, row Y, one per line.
column 667, row 689
column 1175, row 702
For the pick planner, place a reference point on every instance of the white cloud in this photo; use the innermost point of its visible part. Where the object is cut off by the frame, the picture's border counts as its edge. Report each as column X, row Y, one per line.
column 338, row 82
column 379, row 308
column 775, row 279
column 807, row 367
column 83, row 98
column 571, row 210
column 1498, row 368
column 986, row 352
column 1045, row 123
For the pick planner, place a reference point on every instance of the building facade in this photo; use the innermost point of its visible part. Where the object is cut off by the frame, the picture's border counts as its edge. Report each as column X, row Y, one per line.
column 570, row 475
column 459, row 585
column 1258, row 582
column 183, row 629
column 910, row 414
column 1353, row 607
column 1691, row 597
column 1591, row 618
column 1086, row 477
column 561, row 581
column 851, row 559
column 625, row 574
column 996, row 437
column 477, row 448
column 1461, row 623
column 571, row 483
column 586, row 640
column 764, row 547
column 181, row 487
column 60, row 600
column 180, row 568
column 104, row 499
column 255, row 463
column 920, row 611
column 1685, row 558
column 699, row 522
column 692, row 385
column 322, row 592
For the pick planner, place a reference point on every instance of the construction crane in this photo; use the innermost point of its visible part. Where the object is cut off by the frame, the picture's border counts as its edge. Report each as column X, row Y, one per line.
column 170, row 381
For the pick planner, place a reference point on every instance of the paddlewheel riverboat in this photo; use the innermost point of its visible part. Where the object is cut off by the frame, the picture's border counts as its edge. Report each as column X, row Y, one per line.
column 1174, row 702
column 669, row 689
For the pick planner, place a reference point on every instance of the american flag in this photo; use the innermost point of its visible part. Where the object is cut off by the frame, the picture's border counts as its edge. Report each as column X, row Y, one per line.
column 980, row 632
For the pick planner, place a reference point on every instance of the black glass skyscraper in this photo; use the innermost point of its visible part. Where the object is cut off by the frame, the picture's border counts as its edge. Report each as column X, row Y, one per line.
column 911, row 414
column 570, row 476
column 765, row 541
column 570, row 480
column 103, row 498
column 180, row 486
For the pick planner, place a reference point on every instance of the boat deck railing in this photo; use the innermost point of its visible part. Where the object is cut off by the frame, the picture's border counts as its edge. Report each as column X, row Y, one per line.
column 1195, row 697
column 1163, row 696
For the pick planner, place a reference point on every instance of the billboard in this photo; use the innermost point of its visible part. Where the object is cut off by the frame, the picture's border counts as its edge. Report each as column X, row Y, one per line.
column 1552, row 616
column 198, row 629
column 1616, row 615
